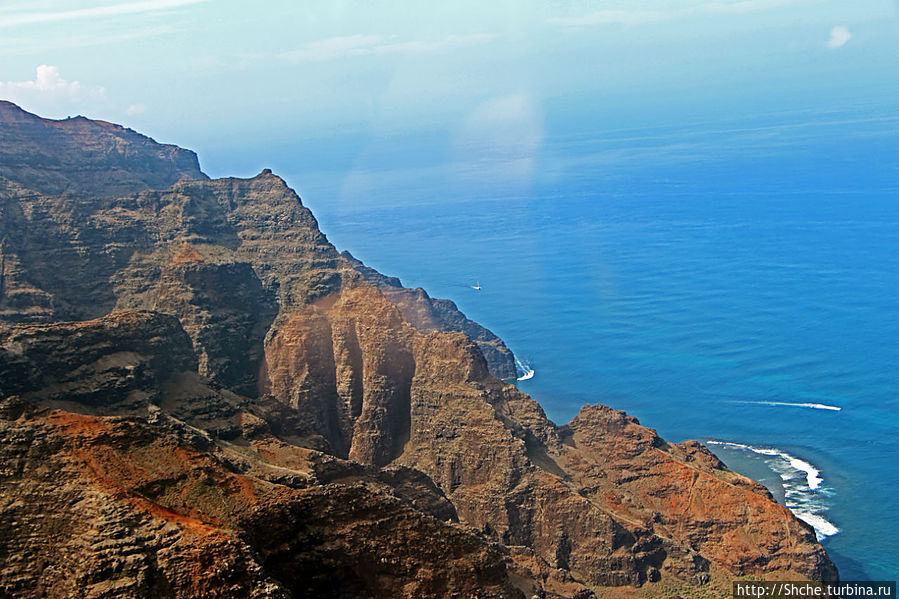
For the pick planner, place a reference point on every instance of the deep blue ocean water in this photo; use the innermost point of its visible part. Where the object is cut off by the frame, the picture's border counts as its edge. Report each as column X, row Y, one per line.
column 727, row 281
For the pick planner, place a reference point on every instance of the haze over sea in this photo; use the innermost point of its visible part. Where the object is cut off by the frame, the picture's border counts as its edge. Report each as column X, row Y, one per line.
column 685, row 209
column 727, row 281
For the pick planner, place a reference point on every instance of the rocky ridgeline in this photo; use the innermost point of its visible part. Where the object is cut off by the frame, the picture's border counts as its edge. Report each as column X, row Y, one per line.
column 202, row 397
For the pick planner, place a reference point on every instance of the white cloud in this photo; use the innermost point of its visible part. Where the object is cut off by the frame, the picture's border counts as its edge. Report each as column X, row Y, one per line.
column 40, row 45
column 365, row 45
column 48, row 82
column 335, row 47
column 450, row 42
column 18, row 19
column 839, row 35
column 50, row 94
column 642, row 17
column 615, row 17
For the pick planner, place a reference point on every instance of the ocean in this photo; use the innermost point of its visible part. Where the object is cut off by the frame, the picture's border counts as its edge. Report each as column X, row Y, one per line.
column 735, row 282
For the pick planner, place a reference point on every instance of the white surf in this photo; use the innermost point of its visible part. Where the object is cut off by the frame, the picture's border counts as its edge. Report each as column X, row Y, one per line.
column 802, row 483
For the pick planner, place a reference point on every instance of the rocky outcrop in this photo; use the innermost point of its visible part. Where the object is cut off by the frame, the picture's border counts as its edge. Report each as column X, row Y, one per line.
column 107, row 507
column 683, row 493
column 603, row 498
column 428, row 314
column 115, row 364
column 193, row 369
column 81, row 156
column 141, row 503
column 223, row 256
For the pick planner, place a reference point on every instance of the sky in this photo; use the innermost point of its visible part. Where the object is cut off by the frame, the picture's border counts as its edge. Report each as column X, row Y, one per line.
column 299, row 86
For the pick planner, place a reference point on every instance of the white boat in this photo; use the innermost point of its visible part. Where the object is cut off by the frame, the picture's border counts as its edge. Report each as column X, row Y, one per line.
column 477, row 287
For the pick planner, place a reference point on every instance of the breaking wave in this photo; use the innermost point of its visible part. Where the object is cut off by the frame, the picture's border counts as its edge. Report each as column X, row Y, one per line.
column 525, row 372
column 804, row 492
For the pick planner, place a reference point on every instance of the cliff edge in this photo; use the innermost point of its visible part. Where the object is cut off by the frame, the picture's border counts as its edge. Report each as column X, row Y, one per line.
column 200, row 396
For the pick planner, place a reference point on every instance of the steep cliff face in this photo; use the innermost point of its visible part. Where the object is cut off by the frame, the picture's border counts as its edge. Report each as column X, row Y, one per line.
column 106, row 507
column 603, row 498
column 265, row 413
column 181, row 490
column 428, row 314
column 83, row 156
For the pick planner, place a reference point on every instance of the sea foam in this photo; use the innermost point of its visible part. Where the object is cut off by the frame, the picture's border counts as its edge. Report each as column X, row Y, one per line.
column 804, row 493
column 525, row 370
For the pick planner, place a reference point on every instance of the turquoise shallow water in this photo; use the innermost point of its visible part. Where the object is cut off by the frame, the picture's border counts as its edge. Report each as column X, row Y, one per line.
column 702, row 288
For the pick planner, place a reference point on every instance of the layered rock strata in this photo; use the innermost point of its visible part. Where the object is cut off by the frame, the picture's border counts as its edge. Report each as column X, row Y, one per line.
column 428, row 314
column 191, row 371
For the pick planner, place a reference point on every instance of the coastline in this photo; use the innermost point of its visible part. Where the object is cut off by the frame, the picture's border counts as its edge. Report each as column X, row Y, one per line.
column 794, row 482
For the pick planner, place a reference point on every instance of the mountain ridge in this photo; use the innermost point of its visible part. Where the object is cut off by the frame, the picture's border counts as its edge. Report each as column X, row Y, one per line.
column 214, row 320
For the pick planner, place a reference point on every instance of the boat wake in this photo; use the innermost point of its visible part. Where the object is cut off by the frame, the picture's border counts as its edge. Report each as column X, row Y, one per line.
column 804, row 492
column 525, row 372
column 814, row 406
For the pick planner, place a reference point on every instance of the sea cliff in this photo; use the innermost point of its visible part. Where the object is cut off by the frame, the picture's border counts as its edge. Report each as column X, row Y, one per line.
column 200, row 396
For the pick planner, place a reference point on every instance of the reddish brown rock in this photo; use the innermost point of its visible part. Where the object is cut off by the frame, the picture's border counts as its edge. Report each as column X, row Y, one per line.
column 266, row 416
column 105, row 507
column 428, row 315
column 603, row 498
column 184, row 493
column 685, row 493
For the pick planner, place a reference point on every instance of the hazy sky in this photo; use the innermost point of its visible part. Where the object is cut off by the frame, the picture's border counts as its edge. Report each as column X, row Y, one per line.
column 218, row 75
